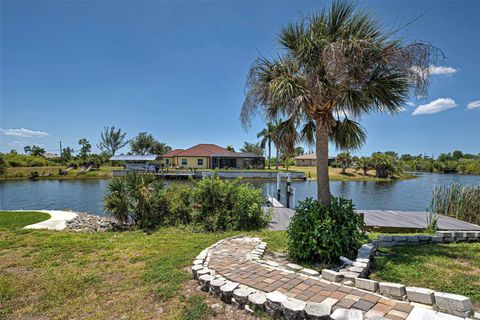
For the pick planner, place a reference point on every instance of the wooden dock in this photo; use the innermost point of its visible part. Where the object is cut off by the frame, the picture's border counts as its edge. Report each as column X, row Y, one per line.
column 391, row 220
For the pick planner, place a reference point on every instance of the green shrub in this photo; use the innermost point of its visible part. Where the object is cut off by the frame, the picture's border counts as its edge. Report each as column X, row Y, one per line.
column 135, row 198
column 177, row 204
column 323, row 233
column 3, row 164
column 228, row 205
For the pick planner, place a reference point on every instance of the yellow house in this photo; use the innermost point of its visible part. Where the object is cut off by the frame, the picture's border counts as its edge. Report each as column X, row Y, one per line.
column 210, row 156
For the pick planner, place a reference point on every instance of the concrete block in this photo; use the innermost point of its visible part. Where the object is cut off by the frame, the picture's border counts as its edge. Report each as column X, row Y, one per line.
column 294, row 309
column 450, row 301
column 366, row 284
column 294, row 267
column 227, row 291
column 424, row 238
column 412, row 239
column 256, row 301
column 204, row 281
column 275, row 300
column 347, row 314
column 385, row 238
column 332, row 276
column 420, row 295
column 393, row 290
column 241, row 294
column 317, row 311
column 215, row 286
column 310, row 272
column 348, row 275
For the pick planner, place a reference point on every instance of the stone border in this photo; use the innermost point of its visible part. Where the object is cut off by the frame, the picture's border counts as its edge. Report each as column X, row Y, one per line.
column 357, row 272
column 278, row 304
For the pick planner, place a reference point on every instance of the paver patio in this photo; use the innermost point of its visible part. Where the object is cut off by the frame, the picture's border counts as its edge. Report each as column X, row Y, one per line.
column 232, row 260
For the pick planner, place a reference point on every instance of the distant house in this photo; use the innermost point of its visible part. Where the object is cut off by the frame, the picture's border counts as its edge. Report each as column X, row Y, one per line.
column 136, row 162
column 309, row 159
column 211, row 156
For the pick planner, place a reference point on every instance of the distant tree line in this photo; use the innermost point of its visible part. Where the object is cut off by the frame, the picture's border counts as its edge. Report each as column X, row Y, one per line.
column 388, row 164
column 110, row 142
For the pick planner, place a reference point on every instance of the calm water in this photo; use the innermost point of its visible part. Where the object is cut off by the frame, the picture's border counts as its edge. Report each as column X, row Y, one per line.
column 86, row 195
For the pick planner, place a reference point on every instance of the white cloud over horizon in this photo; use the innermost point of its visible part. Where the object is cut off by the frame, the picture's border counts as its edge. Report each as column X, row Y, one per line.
column 25, row 133
column 472, row 105
column 435, row 106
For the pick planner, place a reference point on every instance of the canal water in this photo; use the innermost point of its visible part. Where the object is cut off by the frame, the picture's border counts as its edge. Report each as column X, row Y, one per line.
column 87, row 195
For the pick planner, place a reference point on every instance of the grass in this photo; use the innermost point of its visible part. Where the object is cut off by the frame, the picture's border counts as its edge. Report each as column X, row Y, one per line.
column 17, row 220
column 52, row 172
column 128, row 275
column 336, row 174
column 451, row 268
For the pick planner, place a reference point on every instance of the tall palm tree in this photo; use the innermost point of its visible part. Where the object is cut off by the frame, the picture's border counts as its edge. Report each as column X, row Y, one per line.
column 335, row 64
column 267, row 135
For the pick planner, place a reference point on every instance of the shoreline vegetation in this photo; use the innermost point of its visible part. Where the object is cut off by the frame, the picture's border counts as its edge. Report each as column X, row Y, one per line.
column 105, row 172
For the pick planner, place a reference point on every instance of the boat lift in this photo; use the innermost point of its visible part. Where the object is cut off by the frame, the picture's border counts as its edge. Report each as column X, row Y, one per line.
column 289, row 190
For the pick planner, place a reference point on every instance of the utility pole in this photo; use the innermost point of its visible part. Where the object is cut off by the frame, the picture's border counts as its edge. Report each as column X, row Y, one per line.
column 60, row 149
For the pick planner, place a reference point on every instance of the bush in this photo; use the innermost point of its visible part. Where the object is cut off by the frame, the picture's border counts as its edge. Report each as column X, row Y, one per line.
column 135, row 198
column 228, row 205
column 3, row 164
column 177, row 204
column 323, row 233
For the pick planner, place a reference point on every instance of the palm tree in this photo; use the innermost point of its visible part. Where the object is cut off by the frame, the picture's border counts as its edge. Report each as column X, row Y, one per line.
column 267, row 135
column 252, row 148
column 364, row 163
column 345, row 159
column 336, row 63
column 135, row 198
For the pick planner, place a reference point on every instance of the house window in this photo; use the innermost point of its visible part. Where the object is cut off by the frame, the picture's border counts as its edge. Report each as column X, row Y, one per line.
column 184, row 162
column 200, row 162
column 167, row 161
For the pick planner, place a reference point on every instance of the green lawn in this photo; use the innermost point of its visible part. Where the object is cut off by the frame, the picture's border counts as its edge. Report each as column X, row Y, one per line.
column 15, row 220
column 135, row 275
column 451, row 268
column 127, row 275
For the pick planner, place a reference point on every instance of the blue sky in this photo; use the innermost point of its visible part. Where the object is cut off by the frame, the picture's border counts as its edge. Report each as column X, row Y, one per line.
column 178, row 70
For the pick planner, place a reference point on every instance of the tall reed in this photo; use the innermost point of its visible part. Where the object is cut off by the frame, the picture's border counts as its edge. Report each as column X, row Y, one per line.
column 457, row 201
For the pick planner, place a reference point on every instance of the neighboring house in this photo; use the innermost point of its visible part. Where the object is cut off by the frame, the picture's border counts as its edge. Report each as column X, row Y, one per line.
column 308, row 160
column 211, row 156
column 137, row 163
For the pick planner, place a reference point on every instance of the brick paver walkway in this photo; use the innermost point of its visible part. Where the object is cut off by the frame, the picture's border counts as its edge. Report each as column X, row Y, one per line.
column 231, row 260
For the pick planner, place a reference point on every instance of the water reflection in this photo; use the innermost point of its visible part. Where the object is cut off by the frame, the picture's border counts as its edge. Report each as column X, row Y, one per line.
column 87, row 195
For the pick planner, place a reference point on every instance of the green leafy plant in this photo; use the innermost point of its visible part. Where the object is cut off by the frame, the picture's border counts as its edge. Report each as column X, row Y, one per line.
column 177, row 204
column 135, row 198
column 3, row 164
column 228, row 205
column 324, row 232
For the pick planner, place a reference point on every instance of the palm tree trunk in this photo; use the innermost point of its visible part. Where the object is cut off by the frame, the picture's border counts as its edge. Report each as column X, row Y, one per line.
column 323, row 183
column 269, row 151
column 276, row 159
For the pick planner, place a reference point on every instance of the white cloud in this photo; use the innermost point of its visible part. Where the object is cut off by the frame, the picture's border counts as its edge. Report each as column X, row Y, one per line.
column 25, row 133
column 434, row 70
column 401, row 109
column 473, row 105
column 442, row 70
column 435, row 106
column 411, row 104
